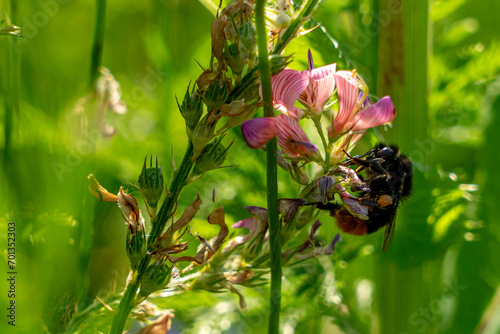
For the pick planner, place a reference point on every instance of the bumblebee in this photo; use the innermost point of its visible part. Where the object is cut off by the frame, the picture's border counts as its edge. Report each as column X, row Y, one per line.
column 389, row 175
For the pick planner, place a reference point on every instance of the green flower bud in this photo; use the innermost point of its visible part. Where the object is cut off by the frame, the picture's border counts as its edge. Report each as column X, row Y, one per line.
column 216, row 93
column 191, row 109
column 151, row 183
column 155, row 278
column 237, row 58
column 212, row 157
column 279, row 63
column 204, row 132
column 292, row 167
column 244, row 49
column 249, row 39
column 136, row 247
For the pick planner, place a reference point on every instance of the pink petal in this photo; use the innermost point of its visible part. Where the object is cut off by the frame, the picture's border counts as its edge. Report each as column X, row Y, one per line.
column 291, row 138
column 251, row 224
column 287, row 86
column 257, row 131
column 248, row 223
column 347, row 90
column 323, row 72
column 320, row 88
column 324, row 85
column 377, row 114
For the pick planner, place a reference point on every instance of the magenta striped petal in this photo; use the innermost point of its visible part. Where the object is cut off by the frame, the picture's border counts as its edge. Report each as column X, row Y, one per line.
column 257, row 131
column 347, row 90
column 320, row 88
column 382, row 112
column 291, row 138
column 287, row 86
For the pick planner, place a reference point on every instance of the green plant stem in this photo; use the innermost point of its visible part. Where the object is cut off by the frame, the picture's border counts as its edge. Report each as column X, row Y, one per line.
column 127, row 301
column 288, row 35
column 317, row 123
column 178, row 182
column 294, row 26
column 272, row 174
column 97, row 46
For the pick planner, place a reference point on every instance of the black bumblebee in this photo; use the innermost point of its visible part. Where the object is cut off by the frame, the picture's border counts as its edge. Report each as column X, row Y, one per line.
column 389, row 176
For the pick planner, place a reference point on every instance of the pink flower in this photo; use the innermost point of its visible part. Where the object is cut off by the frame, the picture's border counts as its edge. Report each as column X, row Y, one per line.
column 356, row 114
column 291, row 138
column 312, row 88
column 287, row 87
column 377, row 114
column 320, row 88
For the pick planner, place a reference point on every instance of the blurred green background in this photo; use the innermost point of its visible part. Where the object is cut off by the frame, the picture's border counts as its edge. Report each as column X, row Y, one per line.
column 438, row 60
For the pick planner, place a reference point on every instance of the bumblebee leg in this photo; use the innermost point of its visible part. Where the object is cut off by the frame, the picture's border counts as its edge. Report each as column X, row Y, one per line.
column 377, row 167
column 367, row 202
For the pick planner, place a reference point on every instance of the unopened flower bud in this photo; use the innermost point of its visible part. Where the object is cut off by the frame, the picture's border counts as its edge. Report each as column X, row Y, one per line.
column 212, row 157
column 322, row 190
column 292, row 167
column 136, row 236
column 237, row 112
column 204, row 133
column 136, row 247
column 155, row 278
column 243, row 49
column 288, row 208
column 191, row 109
column 277, row 19
column 248, row 38
column 216, row 93
column 278, row 63
column 151, row 183
column 237, row 58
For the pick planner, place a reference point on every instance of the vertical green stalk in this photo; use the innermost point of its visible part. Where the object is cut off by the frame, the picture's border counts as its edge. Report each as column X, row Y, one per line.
column 127, row 301
column 97, row 46
column 178, row 183
column 400, row 275
column 272, row 174
column 175, row 188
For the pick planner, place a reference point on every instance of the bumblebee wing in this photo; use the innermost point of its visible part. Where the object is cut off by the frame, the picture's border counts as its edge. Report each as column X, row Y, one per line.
column 389, row 229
